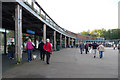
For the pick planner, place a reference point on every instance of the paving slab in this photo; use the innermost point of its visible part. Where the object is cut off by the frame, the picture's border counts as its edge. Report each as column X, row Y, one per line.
column 69, row 63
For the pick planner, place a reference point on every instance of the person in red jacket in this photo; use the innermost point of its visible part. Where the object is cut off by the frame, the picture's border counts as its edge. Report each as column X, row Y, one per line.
column 48, row 48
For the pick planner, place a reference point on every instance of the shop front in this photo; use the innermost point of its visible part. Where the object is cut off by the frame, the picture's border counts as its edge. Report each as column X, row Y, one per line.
column 34, row 38
column 7, row 38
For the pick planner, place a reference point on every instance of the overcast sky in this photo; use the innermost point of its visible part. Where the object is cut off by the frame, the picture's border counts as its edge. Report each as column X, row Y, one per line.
column 81, row 15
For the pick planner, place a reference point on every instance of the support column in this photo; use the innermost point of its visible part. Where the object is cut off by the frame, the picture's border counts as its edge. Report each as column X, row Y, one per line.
column 65, row 41
column 60, row 40
column 18, row 33
column 1, row 40
column 44, row 33
column 75, row 41
column 69, row 42
column 78, row 42
column 72, row 42
column 5, row 42
column 35, row 41
column 55, row 40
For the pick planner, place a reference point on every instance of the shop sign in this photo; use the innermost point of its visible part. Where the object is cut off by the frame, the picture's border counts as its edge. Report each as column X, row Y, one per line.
column 30, row 31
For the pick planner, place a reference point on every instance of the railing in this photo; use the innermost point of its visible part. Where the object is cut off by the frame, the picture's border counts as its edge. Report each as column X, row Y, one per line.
column 39, row 10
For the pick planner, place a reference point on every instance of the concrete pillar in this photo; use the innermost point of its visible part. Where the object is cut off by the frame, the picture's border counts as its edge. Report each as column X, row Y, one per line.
column 44, row 33
column 75, row 42
column 5, row 42
column 78, row 42
column 72, row 41
column 55, row 40
column 1, row 41
column 60, row 40
column 65, row 41
column 18, row 33
column 35, row 40
column 69, row 42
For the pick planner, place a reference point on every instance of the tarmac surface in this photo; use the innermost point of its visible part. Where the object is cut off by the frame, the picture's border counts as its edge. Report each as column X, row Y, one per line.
column 68, row 63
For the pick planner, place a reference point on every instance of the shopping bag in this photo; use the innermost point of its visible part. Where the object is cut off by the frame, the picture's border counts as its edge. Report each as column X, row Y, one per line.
column 90, row 51
column 103, row 54
column 83, row 51
column 97, row 54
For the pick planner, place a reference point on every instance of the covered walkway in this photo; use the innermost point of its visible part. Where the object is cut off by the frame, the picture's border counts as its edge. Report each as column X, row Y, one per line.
column 69, row 63
column 25, row 19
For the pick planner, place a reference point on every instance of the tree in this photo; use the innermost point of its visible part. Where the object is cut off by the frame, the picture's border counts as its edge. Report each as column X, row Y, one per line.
column 110, row 34
column 95, row 33
column 84, row 33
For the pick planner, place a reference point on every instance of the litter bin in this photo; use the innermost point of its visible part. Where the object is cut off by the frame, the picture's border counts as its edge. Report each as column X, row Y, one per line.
column 58, row 47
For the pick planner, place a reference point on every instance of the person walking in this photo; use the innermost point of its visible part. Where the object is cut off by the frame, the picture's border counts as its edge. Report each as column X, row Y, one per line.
column 101, row 50
column 81, row 47
column 86, row 47
column 11, row 50
column 90, row 44
column 119, row 47
column 114, row 46
column 94, row 47
column 42, row 52
column 29, row 48
column 48, row 48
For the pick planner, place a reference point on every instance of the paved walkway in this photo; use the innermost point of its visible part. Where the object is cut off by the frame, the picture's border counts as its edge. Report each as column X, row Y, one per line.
column 69, row 63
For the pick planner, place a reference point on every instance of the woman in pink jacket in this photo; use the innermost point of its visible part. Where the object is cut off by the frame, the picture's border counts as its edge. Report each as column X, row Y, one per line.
column 29, row 49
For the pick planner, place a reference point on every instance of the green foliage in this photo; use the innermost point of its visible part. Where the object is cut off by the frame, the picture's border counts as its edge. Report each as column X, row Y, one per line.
column 110, row 34
column 84, row 33
column 113, row 34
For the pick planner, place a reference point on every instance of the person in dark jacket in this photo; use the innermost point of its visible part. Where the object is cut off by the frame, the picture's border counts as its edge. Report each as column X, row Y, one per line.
column 11, row 50
column 42, row 52
column 48, row 48
column 86, row 47
column 81, row 47
column 90, row 44
column 119, row 48
column 94, row 47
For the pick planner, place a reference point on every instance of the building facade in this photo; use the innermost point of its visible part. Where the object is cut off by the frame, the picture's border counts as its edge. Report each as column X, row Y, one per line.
column 25, row 19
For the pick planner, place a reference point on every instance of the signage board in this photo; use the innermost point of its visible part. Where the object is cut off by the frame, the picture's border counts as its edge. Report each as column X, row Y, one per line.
column 30, row 31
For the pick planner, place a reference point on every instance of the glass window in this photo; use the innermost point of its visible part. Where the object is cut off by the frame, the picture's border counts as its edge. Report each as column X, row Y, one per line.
column 2, row 44
column 10, row 37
